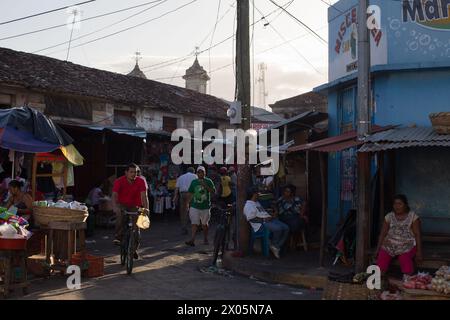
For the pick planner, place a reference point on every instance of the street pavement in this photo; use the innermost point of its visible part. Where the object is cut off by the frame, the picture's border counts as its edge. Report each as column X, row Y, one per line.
column 167, row 270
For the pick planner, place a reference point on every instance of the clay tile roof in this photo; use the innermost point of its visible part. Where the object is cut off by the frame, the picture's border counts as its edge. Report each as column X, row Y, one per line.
column 56, row 76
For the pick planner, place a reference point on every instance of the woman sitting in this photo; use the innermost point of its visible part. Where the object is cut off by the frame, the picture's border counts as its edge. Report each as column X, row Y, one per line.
column 400, row 237
column 292, row 210
column 19, row 199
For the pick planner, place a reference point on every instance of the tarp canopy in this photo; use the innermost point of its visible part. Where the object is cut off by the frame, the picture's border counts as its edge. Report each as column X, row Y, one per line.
column 29, row 120
column 23, row 141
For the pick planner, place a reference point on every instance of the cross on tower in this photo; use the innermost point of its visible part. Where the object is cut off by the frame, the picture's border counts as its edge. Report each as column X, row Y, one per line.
column 137, row 56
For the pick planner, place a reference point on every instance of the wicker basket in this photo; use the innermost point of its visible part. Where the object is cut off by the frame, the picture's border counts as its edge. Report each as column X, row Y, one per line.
column 43, row 215
column 441, row 122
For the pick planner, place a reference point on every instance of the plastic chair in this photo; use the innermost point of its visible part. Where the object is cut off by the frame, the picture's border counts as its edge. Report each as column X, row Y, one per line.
column 263, row 233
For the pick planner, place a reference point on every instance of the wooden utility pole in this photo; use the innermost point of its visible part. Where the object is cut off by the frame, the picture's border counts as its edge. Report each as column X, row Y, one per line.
column 363, row 129
column 243, row 95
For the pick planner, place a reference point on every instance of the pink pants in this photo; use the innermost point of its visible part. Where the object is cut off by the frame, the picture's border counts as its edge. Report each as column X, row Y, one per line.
column 405, row 260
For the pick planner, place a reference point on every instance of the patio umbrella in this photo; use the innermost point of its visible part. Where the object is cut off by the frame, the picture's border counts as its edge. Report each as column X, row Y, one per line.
column 27, row 130
column 32, row 121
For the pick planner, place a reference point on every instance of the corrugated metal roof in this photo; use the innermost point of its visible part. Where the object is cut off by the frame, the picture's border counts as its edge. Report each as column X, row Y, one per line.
column 336, row 143
column 405, row 138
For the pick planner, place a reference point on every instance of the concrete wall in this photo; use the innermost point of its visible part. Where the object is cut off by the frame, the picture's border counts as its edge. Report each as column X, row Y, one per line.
column 423, row 175
column 409, row 97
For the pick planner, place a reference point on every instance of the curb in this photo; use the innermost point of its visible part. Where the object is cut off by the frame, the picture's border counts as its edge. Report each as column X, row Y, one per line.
column 243, row 267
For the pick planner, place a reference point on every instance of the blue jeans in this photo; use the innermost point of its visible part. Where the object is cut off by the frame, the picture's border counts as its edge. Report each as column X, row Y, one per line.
column 279, row 230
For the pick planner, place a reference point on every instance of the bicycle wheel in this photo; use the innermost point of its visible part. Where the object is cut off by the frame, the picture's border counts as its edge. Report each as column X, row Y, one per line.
column 130, row 252
column 218, row 242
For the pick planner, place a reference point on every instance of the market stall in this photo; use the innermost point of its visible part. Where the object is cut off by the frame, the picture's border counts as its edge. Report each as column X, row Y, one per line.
column 25, row 131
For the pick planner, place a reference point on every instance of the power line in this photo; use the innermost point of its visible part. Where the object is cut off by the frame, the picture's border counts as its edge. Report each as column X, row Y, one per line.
column 176, row 60
column 220, row 19
column 299, row 21
column 132, row 27
column 294, row 48
column 160, row 2
column 290, row 40
column 183, row 58
column 211, row 42
column 252, row 44
column 332, row 6
column 45, row 12
column 81, row 20
column 232, row 64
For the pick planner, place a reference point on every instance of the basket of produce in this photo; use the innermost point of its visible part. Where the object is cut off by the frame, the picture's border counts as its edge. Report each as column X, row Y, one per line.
column 441, row 122
column 441, row 281
column 61, row 211
column 13, row 232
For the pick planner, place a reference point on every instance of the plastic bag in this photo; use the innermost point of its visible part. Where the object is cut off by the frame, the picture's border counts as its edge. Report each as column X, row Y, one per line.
column 7, row 231
column 143, row 221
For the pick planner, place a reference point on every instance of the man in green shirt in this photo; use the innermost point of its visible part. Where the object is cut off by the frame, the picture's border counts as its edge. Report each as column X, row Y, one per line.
column 199, row 213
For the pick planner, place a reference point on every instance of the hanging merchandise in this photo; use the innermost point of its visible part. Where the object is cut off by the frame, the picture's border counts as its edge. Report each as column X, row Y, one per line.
column 168, row 203
column 347, row 175
column 158, row 206
column 164, row 160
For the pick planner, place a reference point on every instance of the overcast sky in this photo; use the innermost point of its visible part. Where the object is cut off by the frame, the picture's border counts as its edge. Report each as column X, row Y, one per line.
column 292, row 68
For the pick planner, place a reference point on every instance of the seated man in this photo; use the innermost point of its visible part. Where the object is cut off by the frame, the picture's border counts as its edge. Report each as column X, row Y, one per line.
column 257, row 217
column 291, row 210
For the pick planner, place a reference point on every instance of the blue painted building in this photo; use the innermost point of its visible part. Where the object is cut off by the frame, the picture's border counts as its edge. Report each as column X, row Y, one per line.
column 410, row 79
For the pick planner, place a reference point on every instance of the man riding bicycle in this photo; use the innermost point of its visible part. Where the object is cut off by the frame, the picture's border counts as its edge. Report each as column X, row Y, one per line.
column 129, row 194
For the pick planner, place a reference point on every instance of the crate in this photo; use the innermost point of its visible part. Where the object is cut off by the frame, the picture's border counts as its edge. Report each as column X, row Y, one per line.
column 93, row 266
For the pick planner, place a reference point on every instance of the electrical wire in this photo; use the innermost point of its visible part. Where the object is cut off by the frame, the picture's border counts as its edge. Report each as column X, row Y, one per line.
column 301, row 22
column 81, row 20
column 211, row 42
column 45, row 12
column 101, row 29
column 294, row 48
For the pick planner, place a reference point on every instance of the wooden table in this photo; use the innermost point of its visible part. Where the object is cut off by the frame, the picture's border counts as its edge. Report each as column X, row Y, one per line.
column 70, row 229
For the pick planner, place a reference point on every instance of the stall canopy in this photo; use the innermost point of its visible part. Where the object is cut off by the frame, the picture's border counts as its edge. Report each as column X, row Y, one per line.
column 337, row 143
column 405, row 138
column 29, row 120
column 27, row 130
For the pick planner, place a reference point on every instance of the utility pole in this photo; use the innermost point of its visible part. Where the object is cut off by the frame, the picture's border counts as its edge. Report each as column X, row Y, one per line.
column 363, row 129
column 243, row 95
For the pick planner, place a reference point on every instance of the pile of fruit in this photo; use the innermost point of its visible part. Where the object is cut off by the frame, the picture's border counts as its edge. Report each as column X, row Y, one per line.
column 420, row 281
column 441, row 281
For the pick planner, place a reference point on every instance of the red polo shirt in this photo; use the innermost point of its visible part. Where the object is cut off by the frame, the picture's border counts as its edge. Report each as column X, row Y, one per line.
column 129, row 194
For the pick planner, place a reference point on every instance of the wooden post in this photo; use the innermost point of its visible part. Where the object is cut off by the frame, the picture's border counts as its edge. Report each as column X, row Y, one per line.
column 307, row 176
column 382, row 189
column 33, row 178
column 363, row 213
column 243, row 84
column 323, row 228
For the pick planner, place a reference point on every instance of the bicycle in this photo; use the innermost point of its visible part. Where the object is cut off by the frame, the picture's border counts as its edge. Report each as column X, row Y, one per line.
column 222, row 235
column 130, row 238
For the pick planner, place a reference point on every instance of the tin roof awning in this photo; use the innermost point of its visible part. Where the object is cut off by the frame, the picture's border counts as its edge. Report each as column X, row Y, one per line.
column 134, row 132
column 130, row 131
column 337, row 143
column 405, row 138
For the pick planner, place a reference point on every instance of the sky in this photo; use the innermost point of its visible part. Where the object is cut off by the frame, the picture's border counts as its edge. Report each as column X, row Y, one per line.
column 170, row 30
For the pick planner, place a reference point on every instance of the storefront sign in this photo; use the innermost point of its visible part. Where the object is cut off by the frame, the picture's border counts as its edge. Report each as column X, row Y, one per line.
column 343, row 58
column 434, row 14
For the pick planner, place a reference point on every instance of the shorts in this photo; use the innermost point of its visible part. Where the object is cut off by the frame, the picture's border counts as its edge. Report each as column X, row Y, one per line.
column 198, row 216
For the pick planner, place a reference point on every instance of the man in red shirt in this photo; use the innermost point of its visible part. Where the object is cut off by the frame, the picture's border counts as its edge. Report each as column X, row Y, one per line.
column 129, row 193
